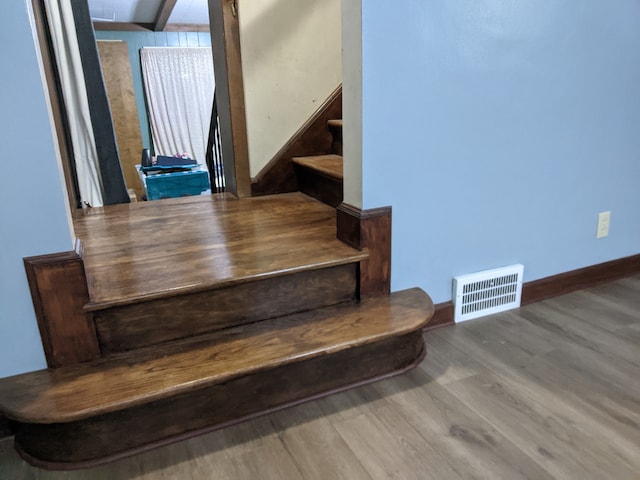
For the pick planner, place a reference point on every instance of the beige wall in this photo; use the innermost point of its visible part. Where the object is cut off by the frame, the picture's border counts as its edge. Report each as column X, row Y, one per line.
column 352, row 101
column 291, row 61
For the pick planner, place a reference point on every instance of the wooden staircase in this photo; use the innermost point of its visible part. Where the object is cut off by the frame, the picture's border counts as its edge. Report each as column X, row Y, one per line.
column 320, row 176
column 206, row 311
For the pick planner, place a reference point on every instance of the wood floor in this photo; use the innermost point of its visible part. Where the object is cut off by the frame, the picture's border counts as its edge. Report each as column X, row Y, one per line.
column 148, row 249
column 547, row 391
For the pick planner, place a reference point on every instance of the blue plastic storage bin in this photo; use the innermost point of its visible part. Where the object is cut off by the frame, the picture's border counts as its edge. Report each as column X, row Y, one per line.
column 176, row 184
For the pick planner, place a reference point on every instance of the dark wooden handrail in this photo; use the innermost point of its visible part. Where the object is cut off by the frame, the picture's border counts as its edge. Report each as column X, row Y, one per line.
column 214, row 158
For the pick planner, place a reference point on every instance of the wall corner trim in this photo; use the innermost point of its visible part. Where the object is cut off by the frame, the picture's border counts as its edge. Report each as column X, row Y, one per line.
column 371, row 230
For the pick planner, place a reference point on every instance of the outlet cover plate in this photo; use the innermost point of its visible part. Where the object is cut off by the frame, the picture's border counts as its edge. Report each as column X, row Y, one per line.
column 604, row 219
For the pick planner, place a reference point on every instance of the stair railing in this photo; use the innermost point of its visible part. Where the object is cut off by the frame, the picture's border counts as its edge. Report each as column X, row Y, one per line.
column 214, row 158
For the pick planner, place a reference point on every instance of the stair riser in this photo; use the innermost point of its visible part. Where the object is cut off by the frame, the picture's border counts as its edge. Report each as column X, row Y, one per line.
column 324, row 188
column 336, row 132
column 74, row 445
column 140, row 325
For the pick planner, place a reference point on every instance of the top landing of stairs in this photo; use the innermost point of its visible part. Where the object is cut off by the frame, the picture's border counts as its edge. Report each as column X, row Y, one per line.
column 142, row 251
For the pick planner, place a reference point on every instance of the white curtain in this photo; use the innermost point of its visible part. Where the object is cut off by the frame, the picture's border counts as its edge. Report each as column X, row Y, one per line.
column 65, row 44
column 179, row 85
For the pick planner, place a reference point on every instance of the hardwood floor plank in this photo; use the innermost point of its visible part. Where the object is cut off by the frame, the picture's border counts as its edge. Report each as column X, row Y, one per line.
column 551, row 439
column 595, row 326
column 142, row 252
column 388, row 447
column 548, row 382
column 572, row 328
column 315, row 445
column 272, row 462
column 469, row 443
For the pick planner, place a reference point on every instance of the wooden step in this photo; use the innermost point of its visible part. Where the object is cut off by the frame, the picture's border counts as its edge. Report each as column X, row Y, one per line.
column 321, row 177
column 147, row 250
column 78, row 416
column 191, row 266
column 335, row 127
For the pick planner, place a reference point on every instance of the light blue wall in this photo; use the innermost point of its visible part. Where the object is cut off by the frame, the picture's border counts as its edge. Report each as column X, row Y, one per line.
column 32, row 204
column 137, row 40
column 498, row 130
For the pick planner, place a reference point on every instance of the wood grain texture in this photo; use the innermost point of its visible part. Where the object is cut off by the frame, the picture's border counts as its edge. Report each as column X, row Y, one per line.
column 110, row 385
column 320, row 177
column 227, row 61
column 329, row 165
column 577, row 279
column 182, row 416
column 59, row 292
column 580, row 426
column 313, row 138
column 369, row 230
column 118, row 80
column 149, row 250
column 136, row 326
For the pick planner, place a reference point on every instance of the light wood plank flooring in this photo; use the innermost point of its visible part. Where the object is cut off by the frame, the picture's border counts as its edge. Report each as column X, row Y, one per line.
column 547, row 391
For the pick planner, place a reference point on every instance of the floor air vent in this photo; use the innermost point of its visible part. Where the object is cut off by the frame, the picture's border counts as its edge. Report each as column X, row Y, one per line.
column 483, row 293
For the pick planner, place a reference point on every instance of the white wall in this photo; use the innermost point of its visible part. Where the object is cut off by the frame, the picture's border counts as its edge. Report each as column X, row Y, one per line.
column 291, row 61
column 33, row 212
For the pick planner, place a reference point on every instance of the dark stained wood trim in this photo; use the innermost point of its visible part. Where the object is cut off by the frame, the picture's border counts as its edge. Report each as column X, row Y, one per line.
column 370, row 230
column 554, row 286
column 202, row 431
column 442, row 316
column 58, row 109
column 326, row 188
column 313, row 138
column 136, row 326
column 148, row 27
column 5, row 430
column 150, row 425
column 227, row 61
column 123, row 26
column 59, row 292
column 164, row 12
column 573, row 280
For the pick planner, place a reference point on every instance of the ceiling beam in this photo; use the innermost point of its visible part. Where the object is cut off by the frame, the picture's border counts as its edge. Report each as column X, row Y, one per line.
column 164, row 12
column 123, row 26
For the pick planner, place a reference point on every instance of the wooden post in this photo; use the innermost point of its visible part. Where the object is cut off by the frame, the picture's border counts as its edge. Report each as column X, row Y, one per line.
column 59, row 291
column 370, row 229
column 227, row 61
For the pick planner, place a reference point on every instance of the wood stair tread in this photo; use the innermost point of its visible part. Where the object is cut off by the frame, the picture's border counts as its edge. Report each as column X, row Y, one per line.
column 142, row 251
column 331, row 164
column 335, row 123
column 113, row 384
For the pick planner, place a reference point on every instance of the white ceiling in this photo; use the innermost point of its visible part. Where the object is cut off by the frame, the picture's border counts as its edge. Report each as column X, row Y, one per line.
column 144, row 11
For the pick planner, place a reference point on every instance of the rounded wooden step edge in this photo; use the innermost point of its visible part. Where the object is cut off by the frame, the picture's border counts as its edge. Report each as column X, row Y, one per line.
column 32, row 398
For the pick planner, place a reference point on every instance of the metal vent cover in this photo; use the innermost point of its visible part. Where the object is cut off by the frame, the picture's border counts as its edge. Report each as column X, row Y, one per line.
column 483, row 293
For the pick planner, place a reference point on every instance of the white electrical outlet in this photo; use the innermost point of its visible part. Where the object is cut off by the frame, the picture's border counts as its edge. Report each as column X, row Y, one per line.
column 604, row 219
